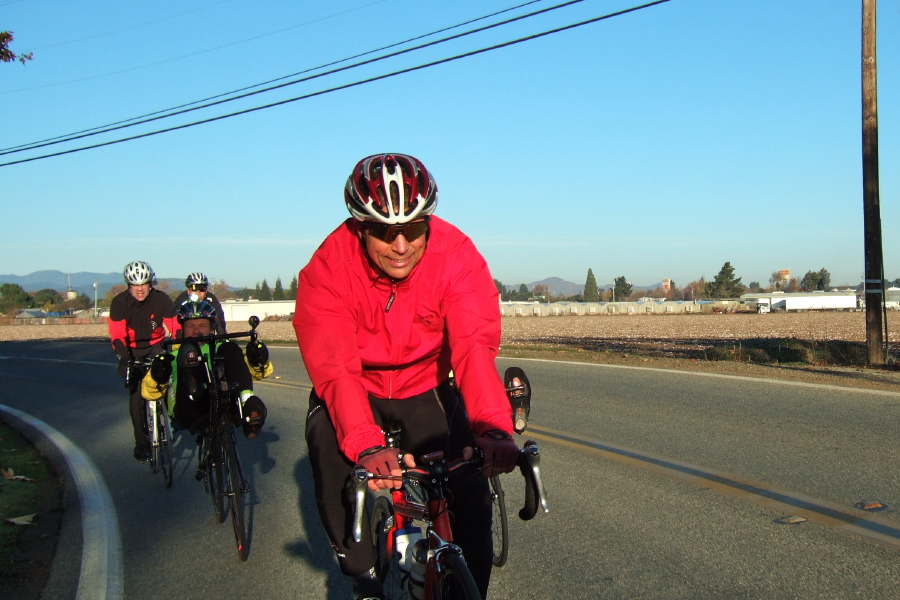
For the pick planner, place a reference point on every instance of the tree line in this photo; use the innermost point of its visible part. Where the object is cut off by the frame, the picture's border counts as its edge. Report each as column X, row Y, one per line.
column 14, row 298
column 724, row 285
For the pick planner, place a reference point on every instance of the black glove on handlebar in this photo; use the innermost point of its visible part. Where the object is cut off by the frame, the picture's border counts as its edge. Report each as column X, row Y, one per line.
column 161, row 368
column 122, row 369
column 500, row 452
column 257, row 354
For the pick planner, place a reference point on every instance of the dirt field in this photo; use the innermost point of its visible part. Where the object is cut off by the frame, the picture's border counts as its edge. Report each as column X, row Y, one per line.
column 712, row 343
column 696, row 329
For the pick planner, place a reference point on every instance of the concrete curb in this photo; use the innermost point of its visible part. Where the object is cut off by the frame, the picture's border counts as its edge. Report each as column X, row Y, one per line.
column 95, row 572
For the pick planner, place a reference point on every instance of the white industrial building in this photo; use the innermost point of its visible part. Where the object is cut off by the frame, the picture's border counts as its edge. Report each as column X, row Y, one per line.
column 801, row 301
column 240, row 311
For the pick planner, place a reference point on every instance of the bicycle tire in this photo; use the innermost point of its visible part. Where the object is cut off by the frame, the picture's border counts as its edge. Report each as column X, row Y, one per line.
column 235, row 489
column 499, row 523
column 163, row 449
column 382, row 522
column 215, row 476
column 455, row 581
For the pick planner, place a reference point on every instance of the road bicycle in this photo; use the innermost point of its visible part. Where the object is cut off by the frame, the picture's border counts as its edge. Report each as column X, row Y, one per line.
column 219, row 464
column 432, row 567
column 157, row 427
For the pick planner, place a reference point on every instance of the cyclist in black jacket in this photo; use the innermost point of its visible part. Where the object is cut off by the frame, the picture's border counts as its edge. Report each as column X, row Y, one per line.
column 197, row 284
column 189, row 404
column 139, row 319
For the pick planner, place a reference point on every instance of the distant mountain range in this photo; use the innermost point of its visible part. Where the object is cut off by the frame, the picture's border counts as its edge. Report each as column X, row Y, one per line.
column 567, row 288
column 83, row 283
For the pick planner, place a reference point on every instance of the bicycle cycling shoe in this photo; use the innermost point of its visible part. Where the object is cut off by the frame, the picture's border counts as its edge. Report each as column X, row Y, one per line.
column 367, row 587
column 519, row 392
column 142, row 453
column 254, row 416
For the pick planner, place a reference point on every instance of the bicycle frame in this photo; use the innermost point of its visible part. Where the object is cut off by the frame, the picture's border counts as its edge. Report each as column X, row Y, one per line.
column 433, row 512
column 160, row 441
column 219, row 461
column 429, row 480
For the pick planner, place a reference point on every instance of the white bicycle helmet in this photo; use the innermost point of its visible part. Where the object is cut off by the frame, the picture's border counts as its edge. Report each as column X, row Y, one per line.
column 139, row 273
column 391, row 189
column 196, row 278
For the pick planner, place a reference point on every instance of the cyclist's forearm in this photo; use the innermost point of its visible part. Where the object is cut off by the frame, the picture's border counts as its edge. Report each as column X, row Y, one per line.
column 351, row 414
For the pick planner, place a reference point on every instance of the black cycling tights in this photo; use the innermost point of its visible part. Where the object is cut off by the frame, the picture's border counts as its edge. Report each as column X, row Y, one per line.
column 432, row 421
column 137, row 403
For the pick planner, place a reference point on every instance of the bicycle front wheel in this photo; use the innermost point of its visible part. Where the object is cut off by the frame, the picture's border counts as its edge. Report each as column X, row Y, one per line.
column 499, row 523
column 215, row 475
column 382, row 521
column 237, row 494
column 455, row 581
column 163, row 449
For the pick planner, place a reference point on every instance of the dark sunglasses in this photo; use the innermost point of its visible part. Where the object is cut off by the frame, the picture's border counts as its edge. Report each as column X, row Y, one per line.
column 197, row 288
column 388, row 233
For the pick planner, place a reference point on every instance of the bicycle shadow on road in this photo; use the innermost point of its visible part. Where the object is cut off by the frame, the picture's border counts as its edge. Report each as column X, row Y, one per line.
column 316, row 548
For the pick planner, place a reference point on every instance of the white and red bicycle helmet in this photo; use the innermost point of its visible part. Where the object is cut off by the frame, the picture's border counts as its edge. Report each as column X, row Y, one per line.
column 391, row 189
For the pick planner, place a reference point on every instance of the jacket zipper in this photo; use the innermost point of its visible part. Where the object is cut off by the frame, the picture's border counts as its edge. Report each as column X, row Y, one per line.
column 390, row 302
column 387, row 308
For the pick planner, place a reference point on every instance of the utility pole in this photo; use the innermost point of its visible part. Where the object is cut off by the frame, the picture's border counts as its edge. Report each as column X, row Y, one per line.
column 874, row 267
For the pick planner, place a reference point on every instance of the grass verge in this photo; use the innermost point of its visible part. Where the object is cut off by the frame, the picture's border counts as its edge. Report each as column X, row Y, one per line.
column 764, row 351
column 26, row 550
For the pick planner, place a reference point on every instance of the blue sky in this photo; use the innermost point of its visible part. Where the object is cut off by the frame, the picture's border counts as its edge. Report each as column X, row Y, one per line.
column 661, row 143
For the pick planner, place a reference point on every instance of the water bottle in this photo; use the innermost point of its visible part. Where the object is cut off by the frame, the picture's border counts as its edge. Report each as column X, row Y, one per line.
column 416, row 581
column 404, row 541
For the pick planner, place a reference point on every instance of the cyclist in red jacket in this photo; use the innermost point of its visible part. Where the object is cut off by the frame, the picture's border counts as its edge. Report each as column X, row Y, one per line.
column 391, row 301
column 139, row 319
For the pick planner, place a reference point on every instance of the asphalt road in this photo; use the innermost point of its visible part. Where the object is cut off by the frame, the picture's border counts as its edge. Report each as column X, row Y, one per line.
column 662, row 484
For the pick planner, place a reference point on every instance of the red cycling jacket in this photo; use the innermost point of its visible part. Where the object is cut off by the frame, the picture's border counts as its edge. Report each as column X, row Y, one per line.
column 134, row 324
column 355, row 340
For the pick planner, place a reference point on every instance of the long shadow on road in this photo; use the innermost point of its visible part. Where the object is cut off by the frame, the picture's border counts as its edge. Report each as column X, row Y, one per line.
column 316, row 548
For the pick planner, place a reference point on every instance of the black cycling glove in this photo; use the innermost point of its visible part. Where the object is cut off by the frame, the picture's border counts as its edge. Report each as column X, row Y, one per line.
column 257, row 354
column 161, row 368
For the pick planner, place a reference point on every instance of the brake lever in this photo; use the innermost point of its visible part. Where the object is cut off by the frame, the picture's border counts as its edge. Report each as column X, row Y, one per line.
column 535, row 494
column 360, row 479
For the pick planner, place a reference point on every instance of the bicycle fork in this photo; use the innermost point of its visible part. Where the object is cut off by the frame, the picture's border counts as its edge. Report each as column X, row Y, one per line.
column 152, row 432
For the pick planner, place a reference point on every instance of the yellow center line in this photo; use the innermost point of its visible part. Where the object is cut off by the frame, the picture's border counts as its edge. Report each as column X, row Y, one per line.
column 829, row 514
column 286, row 384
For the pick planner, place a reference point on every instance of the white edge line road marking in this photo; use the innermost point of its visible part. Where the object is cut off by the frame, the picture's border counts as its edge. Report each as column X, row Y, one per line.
column 101, row 575
column 704, row 374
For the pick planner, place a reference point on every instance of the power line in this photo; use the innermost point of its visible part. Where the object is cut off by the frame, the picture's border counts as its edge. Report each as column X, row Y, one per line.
column 131, row 27
column 345, row 86
column 176, row 58
column 157, row 115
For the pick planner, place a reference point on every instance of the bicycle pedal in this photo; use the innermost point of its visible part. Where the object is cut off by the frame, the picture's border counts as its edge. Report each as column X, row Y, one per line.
column 200, row 475
column 520, row 421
